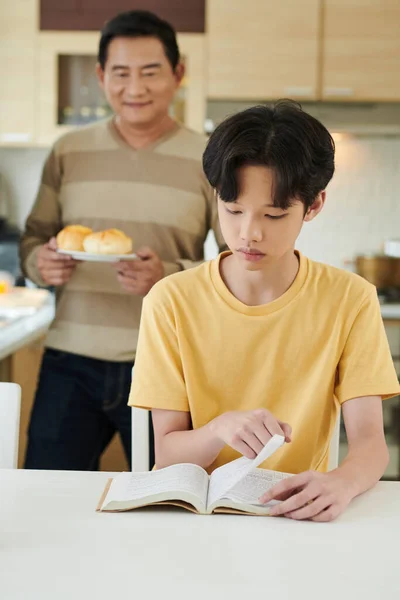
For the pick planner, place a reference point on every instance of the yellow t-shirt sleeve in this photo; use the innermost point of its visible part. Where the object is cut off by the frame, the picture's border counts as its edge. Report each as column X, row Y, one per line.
column 157, row 377
column 366, row 366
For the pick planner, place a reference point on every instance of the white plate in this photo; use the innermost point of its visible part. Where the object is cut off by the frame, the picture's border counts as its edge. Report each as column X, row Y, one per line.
column 86, row 256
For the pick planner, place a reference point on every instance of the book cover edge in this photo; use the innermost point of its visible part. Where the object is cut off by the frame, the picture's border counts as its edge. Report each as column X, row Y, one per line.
column 104, row 494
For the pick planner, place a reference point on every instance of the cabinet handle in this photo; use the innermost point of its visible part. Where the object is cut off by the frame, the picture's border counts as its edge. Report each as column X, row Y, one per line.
column 299, row 90
column 341, row 92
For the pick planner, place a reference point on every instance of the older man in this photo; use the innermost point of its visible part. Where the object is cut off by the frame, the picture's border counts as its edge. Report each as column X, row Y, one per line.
column 139, row 171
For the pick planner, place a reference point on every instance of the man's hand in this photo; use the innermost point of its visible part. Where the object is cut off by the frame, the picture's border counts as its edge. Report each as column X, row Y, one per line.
column 249, row 431
column 139, row 276
column 55, row 269
column 310, row 495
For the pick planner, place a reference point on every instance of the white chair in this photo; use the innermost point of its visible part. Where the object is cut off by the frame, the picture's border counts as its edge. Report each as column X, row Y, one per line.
column 334, row 447
column 10, row 406
column 140, row 439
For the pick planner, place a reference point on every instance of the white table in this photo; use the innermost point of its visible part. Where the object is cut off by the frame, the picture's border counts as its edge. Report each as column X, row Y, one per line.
column 54, row 546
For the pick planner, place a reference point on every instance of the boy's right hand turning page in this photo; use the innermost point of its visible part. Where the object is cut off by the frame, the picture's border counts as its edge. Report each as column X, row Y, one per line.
column 242, row 483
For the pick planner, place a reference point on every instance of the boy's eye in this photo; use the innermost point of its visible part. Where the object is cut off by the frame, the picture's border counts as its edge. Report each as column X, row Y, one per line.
column 234, row 212
column 149, row 74
column 274, row 217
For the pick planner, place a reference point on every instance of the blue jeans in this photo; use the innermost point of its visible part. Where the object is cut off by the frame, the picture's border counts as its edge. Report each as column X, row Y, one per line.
column 80, row 404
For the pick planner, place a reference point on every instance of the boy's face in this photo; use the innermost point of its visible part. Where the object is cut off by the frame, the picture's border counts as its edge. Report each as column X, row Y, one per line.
column 255, row 231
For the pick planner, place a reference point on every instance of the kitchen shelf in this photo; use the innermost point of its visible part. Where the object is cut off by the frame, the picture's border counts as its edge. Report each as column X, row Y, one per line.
column 80, row 99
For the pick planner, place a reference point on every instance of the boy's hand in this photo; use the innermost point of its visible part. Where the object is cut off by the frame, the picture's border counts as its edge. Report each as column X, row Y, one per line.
column 249, row 431
column 139, row 276
column 55, row 269
column 310, row 495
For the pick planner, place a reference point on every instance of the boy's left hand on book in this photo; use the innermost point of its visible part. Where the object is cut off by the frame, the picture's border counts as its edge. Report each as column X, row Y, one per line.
column 310, row 495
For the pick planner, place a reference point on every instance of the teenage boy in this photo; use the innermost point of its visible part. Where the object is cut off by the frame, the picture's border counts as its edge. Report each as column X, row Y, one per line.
column 262, row 340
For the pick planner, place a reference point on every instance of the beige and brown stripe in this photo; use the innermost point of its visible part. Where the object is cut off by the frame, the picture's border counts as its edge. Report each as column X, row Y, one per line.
column 159, row 196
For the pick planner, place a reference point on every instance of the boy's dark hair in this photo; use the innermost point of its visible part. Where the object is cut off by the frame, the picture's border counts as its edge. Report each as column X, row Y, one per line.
column 139, row 23
column 298, row 148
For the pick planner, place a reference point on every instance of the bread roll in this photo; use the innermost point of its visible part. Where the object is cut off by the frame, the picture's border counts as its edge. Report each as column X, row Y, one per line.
column 110, row 241
column 72, row 236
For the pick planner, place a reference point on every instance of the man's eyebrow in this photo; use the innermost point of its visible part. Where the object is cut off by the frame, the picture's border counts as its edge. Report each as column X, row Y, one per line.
column 151, row 66
column 148, row 66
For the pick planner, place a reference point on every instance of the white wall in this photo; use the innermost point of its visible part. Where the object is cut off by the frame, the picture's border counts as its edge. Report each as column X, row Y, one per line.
column 362, row 208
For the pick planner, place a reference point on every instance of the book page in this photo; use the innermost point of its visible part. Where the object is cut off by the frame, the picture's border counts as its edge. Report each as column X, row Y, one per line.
column 226, row 477
column 250, row 489
column 185, row 482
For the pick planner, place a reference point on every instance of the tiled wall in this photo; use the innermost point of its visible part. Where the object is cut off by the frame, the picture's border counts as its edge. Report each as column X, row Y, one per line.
column 363, row 202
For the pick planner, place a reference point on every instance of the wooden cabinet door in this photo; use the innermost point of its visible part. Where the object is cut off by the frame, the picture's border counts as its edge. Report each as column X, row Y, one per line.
column 361, row 50
column 261, row 49
column 18, row 25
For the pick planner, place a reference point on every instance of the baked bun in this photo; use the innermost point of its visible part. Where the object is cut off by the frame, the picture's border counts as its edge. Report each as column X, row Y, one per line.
column 110, row 241
column 72, row 236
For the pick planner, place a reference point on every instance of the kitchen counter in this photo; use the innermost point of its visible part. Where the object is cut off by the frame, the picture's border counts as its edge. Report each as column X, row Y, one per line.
column 390, row 312
column 21, row 331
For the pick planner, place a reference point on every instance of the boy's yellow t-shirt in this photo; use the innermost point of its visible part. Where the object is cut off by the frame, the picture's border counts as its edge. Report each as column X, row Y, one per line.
column 319, row 344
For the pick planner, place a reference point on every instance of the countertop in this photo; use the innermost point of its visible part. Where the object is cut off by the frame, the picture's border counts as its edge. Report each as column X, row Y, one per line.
column 390, row 311
column 21, row 331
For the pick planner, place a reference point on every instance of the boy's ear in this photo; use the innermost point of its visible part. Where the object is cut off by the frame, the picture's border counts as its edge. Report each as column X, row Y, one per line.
column 316, row 207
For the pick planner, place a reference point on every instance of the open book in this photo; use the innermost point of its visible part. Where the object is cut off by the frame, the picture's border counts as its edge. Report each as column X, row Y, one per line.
column 235, row 487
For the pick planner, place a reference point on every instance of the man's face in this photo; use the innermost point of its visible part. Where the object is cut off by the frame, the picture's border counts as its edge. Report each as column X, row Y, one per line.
column 255, row 231
column 138, row 80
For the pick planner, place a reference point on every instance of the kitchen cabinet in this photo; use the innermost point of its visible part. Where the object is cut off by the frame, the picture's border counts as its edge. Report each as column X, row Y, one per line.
column 18, row 31
column 361, row 50
column 318, row 49
column 261, row 49
column 90, row 15
column 55, row 47
column 255, row 51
